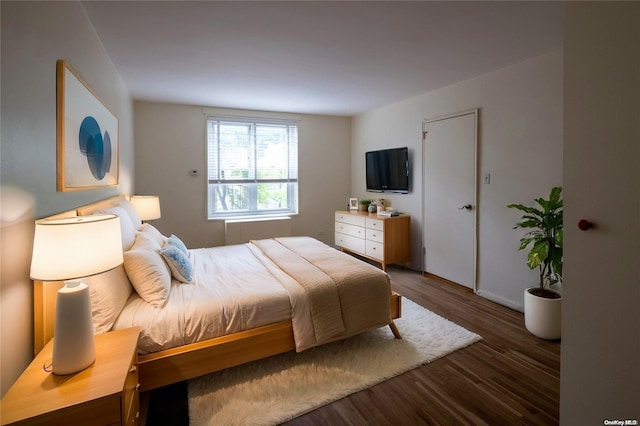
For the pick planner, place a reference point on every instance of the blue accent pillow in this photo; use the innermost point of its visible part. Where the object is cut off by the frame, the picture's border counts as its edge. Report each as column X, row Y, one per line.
column 177, row 242
column 179, row 263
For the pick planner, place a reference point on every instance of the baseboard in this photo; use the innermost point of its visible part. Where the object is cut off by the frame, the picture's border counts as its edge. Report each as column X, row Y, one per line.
column 446, row 281
column 505, row 302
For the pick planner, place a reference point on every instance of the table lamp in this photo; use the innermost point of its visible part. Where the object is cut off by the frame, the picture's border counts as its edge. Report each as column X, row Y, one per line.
column 148, row 206
column 65, row 249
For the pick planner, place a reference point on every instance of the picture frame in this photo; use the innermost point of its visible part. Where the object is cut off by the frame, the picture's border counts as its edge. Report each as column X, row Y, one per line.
column 87, row 135
column 353, row 204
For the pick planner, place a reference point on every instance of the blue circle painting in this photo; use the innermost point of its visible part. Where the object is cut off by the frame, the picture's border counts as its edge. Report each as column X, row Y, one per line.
column 95, row 147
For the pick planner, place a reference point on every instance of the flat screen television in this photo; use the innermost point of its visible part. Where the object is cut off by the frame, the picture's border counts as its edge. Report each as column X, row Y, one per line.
column 387, row 170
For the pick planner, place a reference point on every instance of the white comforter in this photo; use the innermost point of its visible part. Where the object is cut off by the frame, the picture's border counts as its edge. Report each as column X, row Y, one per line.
column 240, row 287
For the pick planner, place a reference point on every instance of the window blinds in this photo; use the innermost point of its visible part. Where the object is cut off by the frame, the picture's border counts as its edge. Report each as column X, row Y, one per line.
column 259, row 151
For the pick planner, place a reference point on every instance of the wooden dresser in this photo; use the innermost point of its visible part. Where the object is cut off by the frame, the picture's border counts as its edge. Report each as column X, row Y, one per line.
column 106, row 393
column 380, row 238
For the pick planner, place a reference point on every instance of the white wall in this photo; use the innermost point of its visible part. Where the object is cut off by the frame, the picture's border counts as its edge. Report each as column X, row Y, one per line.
column 519, row 143
column 34, row 36
column 171, row 140
column 600, row 375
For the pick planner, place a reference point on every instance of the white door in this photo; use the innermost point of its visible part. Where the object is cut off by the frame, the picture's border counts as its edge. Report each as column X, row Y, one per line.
column 449, row 211
column 601, row 179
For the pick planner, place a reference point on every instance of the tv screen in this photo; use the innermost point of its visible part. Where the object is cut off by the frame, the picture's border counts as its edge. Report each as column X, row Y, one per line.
column 387, row 170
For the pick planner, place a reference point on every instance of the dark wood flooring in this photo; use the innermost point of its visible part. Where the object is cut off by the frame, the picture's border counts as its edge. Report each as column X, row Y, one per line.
column 510, row 377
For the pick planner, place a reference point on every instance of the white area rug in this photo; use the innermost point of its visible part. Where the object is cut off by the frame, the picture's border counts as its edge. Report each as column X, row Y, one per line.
column 283, row 387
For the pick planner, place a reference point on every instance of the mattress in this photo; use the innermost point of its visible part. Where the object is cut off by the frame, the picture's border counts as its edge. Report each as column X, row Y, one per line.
column 232, row 291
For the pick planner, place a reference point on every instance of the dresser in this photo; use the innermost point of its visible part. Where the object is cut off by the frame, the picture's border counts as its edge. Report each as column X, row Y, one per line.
column 106, row 393
column 380, row 238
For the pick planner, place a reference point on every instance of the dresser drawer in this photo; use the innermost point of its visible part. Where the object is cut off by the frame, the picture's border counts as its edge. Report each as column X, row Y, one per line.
column 350, row 242
column 374, row 223
column 376, row 235
column 374, row 250
column 131, row 396
column 348, row 229
column 351, row 219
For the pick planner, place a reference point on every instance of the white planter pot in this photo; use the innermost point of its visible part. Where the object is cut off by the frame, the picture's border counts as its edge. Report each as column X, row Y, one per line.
column 542, row 316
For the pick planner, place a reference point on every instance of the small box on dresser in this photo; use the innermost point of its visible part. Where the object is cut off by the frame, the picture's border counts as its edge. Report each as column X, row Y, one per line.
column 380, row 238
column 106, row 393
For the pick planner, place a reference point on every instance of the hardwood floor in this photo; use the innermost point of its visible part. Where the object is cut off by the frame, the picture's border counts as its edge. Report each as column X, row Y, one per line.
column 510, row 377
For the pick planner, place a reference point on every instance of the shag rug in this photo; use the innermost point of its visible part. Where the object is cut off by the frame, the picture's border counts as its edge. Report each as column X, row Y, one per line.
column 282, row 387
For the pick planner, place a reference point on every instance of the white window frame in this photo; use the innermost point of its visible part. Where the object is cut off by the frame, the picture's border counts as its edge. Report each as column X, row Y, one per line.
column 252, row 183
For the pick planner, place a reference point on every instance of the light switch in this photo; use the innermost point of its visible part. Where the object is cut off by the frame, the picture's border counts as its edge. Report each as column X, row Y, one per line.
column 487, row 178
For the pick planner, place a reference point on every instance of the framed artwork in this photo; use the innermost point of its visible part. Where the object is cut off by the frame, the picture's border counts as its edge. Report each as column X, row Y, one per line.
column 353, row 204
column 87, row 135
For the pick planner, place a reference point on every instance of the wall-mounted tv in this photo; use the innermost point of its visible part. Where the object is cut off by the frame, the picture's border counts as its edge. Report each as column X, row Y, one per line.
column 387, row 170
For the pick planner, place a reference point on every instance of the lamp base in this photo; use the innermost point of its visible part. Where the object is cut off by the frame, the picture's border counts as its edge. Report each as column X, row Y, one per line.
column 73, row 343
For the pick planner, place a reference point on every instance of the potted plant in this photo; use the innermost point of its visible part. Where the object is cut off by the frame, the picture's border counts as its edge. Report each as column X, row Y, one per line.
column 542, row 305
column 364, row 205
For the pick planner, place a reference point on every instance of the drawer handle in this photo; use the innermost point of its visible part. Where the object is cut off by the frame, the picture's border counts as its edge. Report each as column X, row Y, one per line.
column 133, row 369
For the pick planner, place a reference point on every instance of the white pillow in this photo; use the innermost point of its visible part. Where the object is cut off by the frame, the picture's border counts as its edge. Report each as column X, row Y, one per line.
column 127, row 229
column 131, row 210
column 148, row 272
column 109, row 292
column 152, row 233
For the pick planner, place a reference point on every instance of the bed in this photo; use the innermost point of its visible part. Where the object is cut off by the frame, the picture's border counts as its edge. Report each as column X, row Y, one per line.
column 232, row 305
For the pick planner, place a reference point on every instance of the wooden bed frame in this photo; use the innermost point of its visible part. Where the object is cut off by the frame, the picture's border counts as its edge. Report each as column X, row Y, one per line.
column 185, row 362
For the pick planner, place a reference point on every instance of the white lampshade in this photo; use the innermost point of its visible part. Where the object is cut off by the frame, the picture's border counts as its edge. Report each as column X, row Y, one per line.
column 74, row 247
column 65, row 249
column 148, row 206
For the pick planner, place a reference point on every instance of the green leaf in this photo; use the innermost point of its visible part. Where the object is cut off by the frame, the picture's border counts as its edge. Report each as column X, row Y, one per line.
column 543, row 203
column 533, row 260
column 538, row 254
column 536, row 234
column 554, row 197
column 524, row 242
column 530, row 210
column 528, row 224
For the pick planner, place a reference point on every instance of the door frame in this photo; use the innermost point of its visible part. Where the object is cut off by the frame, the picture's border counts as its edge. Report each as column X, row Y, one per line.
column 425, row 123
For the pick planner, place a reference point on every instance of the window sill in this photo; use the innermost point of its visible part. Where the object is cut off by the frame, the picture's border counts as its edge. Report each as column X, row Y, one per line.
column 253, row 218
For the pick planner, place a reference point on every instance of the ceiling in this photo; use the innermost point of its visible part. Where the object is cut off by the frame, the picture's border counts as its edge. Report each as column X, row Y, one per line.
column 325, row 57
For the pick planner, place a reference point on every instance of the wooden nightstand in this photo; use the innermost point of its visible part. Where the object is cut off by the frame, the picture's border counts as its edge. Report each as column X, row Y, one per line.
column 104, row 394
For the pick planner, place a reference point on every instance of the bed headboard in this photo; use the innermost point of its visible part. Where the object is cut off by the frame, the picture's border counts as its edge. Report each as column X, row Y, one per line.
column 45, row 293
column 98, row 205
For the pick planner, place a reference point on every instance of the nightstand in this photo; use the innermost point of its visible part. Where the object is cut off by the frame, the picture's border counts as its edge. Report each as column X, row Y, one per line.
column 106, row 393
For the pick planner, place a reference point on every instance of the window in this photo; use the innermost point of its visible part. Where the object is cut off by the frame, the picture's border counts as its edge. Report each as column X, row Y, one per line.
column 252, row 167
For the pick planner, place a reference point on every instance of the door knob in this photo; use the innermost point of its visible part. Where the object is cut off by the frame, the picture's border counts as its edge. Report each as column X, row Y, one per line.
column 585, row 225
column 466, row 207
